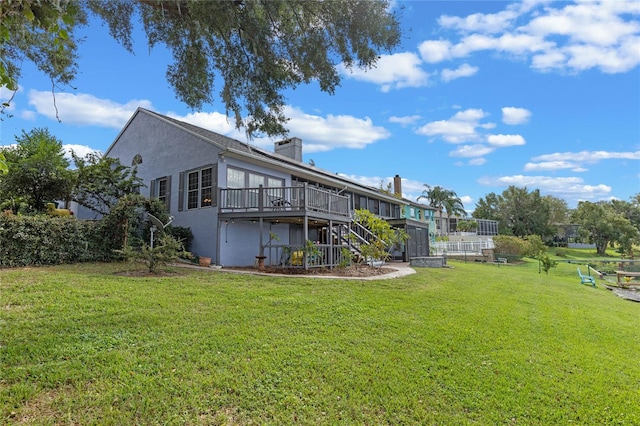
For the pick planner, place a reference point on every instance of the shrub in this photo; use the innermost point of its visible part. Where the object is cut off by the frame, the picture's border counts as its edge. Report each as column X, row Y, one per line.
column 546, row 263
column 45, row 240
column 510, row 247
column 165, row 250
column 182, row 234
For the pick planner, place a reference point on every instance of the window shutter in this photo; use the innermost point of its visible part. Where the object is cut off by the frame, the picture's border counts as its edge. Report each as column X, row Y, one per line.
column 169, row 194
column 153, row 192
column 181, row 192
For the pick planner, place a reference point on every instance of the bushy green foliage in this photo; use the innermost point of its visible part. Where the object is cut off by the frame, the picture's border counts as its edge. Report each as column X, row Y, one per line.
column 182, row 234
column 535, row 247
column 250, row 52
column 3, row 164
column 510, row 247
column 165, row 250
column 466, row 225
column 45, row 240
column 37, row 170
column 547, row 263
column 345, row 257
column 101, row 181
column 384, row 236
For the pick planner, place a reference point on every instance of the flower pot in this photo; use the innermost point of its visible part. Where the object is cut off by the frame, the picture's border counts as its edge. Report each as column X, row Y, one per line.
column 205, row 261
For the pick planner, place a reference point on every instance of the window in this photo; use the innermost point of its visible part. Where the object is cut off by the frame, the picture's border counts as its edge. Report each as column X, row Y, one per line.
column 200, row 186
column 206, row 177
column 161, row 189
column 385, row 211
column 247, row 185
column 374, row 206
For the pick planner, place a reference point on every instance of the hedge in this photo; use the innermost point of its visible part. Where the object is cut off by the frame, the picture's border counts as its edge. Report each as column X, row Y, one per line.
column 46, row 240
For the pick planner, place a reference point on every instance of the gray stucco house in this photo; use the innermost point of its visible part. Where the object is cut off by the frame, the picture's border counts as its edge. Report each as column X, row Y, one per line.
column 242, row 202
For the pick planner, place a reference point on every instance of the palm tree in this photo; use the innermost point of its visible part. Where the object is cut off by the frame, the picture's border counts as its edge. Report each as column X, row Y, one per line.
column 443, row 199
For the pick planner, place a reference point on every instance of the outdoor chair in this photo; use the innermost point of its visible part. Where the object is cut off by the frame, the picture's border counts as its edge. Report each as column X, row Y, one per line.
column 586, row 279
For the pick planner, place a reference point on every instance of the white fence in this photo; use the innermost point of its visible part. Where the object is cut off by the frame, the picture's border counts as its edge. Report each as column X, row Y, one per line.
column 454, row 247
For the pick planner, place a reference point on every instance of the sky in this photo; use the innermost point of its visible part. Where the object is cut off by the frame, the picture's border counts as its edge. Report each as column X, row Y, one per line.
column 478, row 96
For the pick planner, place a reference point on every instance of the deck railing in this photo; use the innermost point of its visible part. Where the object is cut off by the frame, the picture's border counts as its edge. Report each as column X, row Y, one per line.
column 307, row 256
column 452, row 247
column 283, row 199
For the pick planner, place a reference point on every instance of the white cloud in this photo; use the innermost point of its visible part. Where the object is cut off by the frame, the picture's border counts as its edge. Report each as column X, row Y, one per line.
column 213, row 121
column 458, row 129
column 553, row 165
column 467, row 201
column 568, row 37
column 464, row 70
column 324, row 133
column 513, row 115
column 318, row 133
column 468, row 151
column 576, row 161
column 505, row 140
column 588, row 156
column 84, row 109
column 80, row 150
column 405, row 120
column 591, row 23
column 570, row 188
column 487, row 23
column 391, row 72
column 433, row 51
column 477, row 161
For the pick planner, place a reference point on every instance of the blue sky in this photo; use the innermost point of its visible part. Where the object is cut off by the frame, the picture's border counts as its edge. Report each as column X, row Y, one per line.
column 479, row 96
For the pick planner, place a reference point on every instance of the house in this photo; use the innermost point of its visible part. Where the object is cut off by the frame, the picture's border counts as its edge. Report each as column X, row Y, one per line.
column 246, row 205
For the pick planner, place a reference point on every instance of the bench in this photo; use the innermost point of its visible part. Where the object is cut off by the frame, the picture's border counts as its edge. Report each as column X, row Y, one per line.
column 501, row 260
column 586, row 279
column 623, row 274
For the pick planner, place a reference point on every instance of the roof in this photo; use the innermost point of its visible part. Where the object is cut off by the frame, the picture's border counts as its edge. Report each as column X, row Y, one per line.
column 245, row 150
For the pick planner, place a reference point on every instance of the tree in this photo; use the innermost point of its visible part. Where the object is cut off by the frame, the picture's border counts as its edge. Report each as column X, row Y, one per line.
column 37, row 170
column 629, row 210
column 558, row 212
column 443, row 199
column 40, row 32
column 524, row 212
column 519, row 212
column 255, row 49
column 488, row 207
column 101, row 181
column 384, row 236
column 601, row 225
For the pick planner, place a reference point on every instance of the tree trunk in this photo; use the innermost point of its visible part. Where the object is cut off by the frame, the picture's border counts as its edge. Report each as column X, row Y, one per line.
column 601, row 247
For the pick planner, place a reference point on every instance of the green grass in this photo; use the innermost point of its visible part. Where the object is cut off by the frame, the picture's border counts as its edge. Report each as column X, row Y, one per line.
column 472, row 344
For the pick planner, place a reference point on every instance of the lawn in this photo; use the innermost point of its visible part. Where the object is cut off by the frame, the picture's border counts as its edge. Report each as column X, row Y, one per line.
column 472, row 344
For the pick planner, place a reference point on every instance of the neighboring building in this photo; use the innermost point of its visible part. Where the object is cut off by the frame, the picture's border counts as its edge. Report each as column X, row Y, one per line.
column 242, row 202
column 417, row 220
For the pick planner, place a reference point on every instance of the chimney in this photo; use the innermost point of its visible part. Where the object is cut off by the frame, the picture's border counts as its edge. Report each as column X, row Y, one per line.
column 291, row 148
column 397, row 185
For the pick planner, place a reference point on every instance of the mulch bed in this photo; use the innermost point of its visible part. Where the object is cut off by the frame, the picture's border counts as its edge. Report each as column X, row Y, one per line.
column 350, row 271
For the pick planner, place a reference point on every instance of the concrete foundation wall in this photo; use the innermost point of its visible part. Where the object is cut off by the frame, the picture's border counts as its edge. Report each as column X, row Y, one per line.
column 428, row 262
